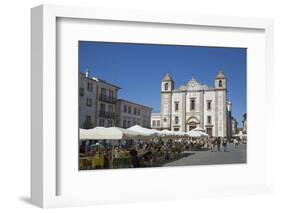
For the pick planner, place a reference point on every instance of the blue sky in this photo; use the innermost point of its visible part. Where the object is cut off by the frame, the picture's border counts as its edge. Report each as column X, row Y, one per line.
column 139, row 68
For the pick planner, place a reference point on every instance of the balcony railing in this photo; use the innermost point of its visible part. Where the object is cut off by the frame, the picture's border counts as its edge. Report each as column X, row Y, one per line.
column 108, row 99
column 105, row 114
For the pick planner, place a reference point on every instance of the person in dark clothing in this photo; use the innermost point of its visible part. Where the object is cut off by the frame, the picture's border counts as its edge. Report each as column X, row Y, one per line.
column 135, row 158
column 106, row 156
column 224, row 143
column 148, row 156
column 219, row 144
column 82, row 148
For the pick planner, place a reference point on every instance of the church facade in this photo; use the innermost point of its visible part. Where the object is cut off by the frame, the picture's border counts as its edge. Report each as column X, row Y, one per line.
column 196, row 105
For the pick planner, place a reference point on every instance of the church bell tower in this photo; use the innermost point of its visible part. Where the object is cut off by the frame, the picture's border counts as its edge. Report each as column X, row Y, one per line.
column 167, row 88
column 221, row 104
column 220, row 81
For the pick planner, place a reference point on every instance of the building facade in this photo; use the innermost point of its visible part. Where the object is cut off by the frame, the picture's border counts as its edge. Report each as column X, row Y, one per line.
column 99, row 106
column 97, row 102
column 87, row 101
column 156, row 120
column 245, row 123
column 130, row 114
column 196, row 104
column 229, row 119
column 234, row 126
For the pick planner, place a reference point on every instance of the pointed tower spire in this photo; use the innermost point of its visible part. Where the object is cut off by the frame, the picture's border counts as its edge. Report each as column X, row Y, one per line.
column 220, row 75
column 167, row 77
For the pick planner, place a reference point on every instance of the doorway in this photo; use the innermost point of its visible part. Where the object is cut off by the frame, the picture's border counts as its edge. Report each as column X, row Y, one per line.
column 191, row 127
column 209, row 131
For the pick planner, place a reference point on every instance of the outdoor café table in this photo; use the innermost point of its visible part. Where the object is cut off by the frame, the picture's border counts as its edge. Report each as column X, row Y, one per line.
column 96, row 161
column 116, row 162
column 122, row 162
column 84, row 162
column 127, row 161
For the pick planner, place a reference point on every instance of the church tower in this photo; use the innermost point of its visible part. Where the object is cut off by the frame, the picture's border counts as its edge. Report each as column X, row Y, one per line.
column 167, row 88
column 221, row 104
column 220, row 82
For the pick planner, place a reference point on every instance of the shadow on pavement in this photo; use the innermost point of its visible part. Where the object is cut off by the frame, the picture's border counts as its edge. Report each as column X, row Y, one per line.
column 183, row 155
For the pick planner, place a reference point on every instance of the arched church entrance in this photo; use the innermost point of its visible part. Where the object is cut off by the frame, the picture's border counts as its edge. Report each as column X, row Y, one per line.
column 192, row 123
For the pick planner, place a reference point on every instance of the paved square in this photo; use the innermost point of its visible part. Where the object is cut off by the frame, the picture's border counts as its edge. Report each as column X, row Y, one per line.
column 232, row 156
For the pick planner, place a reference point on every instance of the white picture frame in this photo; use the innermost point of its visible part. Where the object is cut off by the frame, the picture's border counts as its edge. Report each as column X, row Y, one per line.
column 44, row 153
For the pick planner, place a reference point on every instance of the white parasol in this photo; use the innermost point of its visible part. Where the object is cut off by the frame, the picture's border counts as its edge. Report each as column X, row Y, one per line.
column 143, row 131
column 199, row 128
column 110, row 133
column 194, row 134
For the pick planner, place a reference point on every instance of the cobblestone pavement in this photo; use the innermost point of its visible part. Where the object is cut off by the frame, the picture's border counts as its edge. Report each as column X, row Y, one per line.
column 233, row 155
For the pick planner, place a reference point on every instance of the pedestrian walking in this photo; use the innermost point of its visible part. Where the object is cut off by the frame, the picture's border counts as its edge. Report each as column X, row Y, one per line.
column 135, row 159
column 224, row 144
column 213, row 144
column 235, row 143
column 219, row 144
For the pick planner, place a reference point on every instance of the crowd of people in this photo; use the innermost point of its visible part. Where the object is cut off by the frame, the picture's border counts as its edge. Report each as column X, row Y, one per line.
column 102, row 155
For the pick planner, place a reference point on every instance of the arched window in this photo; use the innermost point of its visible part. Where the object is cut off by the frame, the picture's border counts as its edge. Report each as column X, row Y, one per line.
column 176, row 119
column 166, row 86
column 220, row 83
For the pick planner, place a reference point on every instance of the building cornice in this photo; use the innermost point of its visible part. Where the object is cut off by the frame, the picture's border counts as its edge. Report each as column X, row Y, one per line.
column 129, row 102
column 97, row 80
column 205, row 90
column 167, row 91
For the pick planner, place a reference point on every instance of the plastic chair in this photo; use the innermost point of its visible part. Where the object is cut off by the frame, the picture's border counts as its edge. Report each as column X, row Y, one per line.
column 84, row 164
column 98, row 162
column 116, row 162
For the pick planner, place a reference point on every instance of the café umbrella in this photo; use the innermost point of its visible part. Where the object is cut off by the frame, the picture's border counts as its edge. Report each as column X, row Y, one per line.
column 240, row 135
column 109, row 133
column 143, row 131
column 203, row 134
column 157, row 132
column 194, row 134
column 167, row 133
column 199, row 128
column 180, row 134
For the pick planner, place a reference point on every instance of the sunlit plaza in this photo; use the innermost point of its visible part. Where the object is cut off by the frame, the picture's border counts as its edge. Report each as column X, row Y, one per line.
column 145, row 116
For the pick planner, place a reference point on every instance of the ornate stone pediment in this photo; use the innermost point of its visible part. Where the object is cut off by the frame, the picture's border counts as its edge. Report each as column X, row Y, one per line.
column 192, row 85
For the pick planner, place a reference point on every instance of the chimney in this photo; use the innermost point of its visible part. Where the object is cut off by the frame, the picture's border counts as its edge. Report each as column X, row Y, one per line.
column 87, row 73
